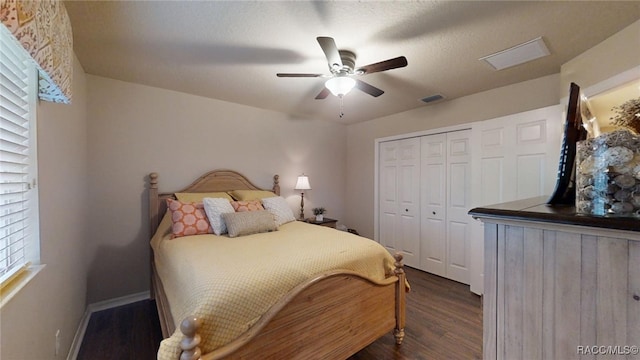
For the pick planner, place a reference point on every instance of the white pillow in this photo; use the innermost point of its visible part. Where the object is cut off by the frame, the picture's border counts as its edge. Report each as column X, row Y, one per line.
column 279, row 208
column 215, row 207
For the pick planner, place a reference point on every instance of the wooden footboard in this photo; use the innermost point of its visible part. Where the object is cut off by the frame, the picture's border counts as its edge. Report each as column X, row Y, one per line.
column 330, row 317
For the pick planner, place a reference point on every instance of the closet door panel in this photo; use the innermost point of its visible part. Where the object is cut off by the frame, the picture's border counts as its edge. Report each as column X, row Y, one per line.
column 433, row 226
column 433, row 176
column 409, row 200
column 459, row 177
column 458, row 255
column 515, row 157
column 433, row 246
column 388, row 195
column 492, row 141
column 530, row 177
column 433, row 233
column 388, row 231
column 409, row 236
column 409, row 227
column 458, row 204
column 531, row 150
column 491, row 175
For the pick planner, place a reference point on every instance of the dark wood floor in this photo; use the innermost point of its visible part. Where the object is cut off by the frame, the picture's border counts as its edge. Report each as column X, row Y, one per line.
column 126, row 332
column 444, row 321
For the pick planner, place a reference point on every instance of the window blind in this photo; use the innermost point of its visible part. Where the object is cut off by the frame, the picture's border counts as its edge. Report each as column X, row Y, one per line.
column 19, row 242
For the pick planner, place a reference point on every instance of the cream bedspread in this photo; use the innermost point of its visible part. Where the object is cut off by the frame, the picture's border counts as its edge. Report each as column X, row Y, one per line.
column 231, row 282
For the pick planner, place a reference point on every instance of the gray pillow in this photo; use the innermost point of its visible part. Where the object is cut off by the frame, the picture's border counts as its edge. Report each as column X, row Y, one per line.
column 249, row 222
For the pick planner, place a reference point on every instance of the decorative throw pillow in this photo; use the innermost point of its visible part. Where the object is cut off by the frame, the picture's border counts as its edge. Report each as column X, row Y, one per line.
column 250, row 194
column 197, row 197
column 251, row 205
column 188, row 218
column 249, row 222
column 279, row 208
column 215, row 207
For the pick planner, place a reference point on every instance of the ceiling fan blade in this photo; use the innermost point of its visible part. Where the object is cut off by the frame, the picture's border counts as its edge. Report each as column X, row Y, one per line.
column 298, row 75
column 383, row 65
column 323, row 94
column 330, row 49
column 369, row 89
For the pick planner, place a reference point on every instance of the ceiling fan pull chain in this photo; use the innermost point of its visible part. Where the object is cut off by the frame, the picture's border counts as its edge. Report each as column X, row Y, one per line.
column 341, row 106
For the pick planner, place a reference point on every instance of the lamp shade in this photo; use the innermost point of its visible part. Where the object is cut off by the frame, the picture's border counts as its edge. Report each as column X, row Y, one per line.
column 340, row 85
column 303, row 183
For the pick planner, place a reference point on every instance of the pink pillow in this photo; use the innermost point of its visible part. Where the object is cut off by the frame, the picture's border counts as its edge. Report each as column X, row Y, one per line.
column 188, row 218
column 247, row 205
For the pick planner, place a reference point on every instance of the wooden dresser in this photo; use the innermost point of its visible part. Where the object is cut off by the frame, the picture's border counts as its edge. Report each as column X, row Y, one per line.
column 559, row 285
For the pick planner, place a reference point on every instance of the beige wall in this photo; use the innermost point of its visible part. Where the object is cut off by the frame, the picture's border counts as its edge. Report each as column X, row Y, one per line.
column 134, row 130
column 618, row 53
column 55, row 298
column 502, row 101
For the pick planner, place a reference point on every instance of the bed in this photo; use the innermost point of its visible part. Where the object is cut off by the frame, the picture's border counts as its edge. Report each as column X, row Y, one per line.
column 327, row 314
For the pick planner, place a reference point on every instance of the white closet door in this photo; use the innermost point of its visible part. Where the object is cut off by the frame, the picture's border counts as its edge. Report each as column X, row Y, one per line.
column 433, row 240
column 445, row 200
column 399, row 198
column 515, row 157
column 388, row 195
column 458, row 204
column 537, row 152
column 409, row 201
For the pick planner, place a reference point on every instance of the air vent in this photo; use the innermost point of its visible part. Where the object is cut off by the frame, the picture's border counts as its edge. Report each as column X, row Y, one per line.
column 432, row 98
column 516, row 55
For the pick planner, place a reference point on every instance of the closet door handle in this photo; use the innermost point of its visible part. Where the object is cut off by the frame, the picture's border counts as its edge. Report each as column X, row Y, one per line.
column 433, row 212
column 407, row 210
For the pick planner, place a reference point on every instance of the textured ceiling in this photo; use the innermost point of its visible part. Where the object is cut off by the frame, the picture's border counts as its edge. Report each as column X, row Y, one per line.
column 231, row 50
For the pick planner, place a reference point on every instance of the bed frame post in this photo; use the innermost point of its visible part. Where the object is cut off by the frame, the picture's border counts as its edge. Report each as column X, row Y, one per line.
column 153, row 221
column 401, row 290
column 189, row 344
column 153, row 203
column 276, row 184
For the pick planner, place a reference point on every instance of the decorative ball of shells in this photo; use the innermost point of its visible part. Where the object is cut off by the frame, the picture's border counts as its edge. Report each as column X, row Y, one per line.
column 608, row 175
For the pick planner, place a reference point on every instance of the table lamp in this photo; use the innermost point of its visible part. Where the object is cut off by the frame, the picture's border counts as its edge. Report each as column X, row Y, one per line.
column 302, row 184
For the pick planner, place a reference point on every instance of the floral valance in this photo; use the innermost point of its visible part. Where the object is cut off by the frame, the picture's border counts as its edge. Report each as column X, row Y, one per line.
column 44, row 30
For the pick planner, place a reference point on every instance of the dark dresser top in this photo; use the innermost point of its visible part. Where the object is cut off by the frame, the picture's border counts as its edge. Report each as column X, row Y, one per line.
column 536, row 209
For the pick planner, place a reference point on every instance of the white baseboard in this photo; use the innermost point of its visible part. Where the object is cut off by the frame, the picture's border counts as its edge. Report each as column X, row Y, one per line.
column 77, row 339
column 99, row 306
column 124, row 300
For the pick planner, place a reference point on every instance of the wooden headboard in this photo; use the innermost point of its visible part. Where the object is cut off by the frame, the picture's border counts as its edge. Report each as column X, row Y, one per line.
column 213, row 181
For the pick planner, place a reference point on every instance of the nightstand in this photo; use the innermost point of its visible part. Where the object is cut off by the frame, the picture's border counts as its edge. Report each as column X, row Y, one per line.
column 326, row 222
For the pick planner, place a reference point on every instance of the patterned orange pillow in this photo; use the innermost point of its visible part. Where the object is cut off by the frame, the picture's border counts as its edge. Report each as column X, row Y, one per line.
column 247, row 205
column 188, row 218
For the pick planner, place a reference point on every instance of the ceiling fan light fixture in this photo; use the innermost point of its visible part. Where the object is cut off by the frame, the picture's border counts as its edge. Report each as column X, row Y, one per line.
column 340, row 85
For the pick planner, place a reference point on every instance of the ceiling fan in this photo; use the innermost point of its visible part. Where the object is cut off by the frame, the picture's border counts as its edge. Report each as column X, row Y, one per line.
column 342, row 67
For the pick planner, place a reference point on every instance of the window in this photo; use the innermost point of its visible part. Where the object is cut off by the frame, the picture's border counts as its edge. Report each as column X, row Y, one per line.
column 19, row 231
